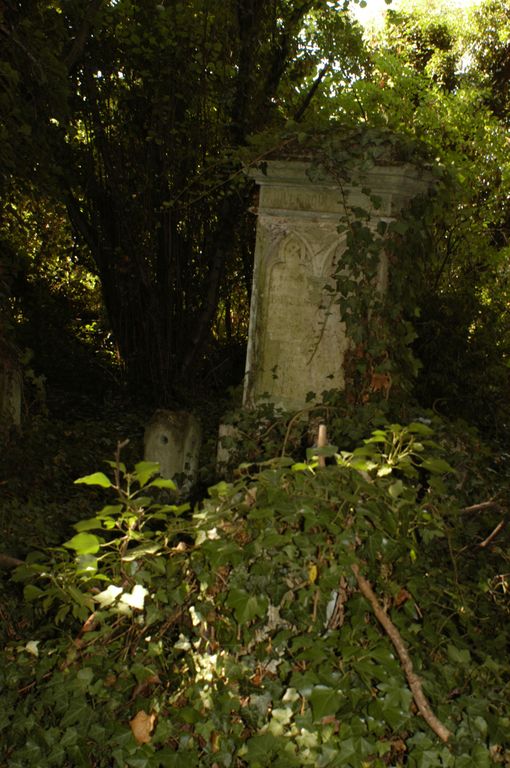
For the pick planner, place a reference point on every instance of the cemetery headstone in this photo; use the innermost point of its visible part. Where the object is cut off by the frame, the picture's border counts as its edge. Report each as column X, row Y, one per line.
column 173, row 439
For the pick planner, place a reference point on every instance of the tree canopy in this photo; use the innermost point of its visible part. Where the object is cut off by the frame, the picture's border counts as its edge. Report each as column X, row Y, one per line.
column 133, row 121
column 138, row 111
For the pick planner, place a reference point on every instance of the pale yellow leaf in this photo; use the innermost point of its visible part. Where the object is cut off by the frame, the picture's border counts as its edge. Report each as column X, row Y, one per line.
column 312, row 573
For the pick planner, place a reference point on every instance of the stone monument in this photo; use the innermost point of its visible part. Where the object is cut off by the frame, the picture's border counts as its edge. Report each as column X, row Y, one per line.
column 296, row 338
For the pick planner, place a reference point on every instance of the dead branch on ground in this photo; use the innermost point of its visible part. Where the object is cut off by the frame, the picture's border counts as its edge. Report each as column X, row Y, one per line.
column 413, row 680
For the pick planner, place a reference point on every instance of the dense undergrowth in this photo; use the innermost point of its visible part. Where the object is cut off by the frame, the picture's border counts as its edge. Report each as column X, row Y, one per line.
column 236, row 634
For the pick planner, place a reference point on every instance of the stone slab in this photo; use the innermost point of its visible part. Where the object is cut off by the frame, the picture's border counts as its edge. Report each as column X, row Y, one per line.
column 173, row 439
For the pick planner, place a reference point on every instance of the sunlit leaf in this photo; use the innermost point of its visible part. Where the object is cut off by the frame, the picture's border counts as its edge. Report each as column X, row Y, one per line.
column 98, row 478
column 136, row 598
column 144, row 470
column 108, row 595
column 84, row 543
column 31, row 647
column 89, row 524
column 163, row 482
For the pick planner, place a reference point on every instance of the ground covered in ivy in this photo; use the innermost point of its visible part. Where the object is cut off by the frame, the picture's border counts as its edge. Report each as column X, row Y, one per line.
column 239, row 631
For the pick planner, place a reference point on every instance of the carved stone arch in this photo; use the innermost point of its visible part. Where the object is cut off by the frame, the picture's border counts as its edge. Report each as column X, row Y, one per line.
column 331, row 256
column 287, row 245
column 289, row 260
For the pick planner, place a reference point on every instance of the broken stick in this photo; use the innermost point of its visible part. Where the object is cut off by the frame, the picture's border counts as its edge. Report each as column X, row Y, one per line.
column 322, row 441
column 414, row 681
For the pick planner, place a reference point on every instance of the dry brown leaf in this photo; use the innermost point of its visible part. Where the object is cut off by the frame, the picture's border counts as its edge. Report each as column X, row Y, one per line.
column 142, row 726
column 90, row 624
column 402, row 597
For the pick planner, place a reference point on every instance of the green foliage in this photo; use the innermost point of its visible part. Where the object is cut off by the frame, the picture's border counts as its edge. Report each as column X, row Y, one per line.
column 239, row 638
column 151, row 182
column 488, row 43
column 55, row 305
column 442, row 328
column 151, row 177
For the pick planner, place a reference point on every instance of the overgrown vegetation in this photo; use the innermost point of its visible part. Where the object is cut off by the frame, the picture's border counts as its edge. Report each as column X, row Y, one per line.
column 239, row 636
column 239, row 630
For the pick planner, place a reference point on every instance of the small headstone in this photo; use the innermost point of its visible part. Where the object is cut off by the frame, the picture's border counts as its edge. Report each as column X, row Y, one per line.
column 173, row 438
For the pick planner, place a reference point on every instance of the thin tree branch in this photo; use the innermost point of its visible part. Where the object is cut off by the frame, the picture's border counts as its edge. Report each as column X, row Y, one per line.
column 413, row 680
column 493, row 535
column 311, row 93
column 491, row 504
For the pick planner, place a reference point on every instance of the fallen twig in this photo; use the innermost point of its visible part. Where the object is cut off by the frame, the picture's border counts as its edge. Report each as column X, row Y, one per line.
column 414, row 681
column 322, row 441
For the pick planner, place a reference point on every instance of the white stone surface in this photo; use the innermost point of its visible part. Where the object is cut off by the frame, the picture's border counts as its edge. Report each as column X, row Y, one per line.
column 173, row 438
column 231, row 435
column 297, row 341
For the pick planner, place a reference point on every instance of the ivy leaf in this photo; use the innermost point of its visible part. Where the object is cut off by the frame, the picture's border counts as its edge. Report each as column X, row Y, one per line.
column 417, row 427
column 31, row 592
column 145, row 549
column 246, row 606
column 137, row 597
column 324, row 701
column 259, row 748
column 98, row 478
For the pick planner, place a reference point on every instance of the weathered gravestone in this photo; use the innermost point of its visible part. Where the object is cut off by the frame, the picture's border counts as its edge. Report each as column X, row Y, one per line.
column 296, row 340
column 173, row 439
